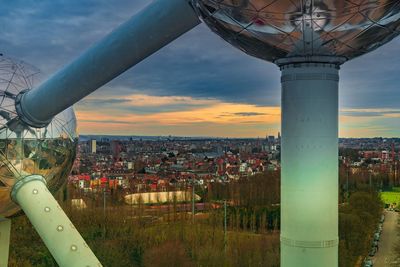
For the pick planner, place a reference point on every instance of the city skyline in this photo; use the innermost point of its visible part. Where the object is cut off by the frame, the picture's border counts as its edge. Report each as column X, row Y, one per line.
column 196, row 86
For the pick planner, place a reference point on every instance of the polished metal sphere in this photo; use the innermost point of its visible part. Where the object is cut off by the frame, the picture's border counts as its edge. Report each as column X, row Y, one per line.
column 48, row 151
column 272, row 30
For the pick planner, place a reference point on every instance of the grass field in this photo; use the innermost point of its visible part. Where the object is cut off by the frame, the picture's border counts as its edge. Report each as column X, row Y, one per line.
column 390, row 197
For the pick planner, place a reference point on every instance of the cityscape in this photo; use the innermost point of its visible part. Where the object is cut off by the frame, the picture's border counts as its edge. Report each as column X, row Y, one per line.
column 170, row 163
column 148, row 181
column 133, row 197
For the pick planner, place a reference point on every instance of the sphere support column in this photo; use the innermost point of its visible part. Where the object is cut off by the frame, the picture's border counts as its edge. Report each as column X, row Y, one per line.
column 309, row 158
column 52, row 224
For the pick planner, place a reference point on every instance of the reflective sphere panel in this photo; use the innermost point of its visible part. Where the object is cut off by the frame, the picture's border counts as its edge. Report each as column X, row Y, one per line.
column 274, row 29
column 24, row 150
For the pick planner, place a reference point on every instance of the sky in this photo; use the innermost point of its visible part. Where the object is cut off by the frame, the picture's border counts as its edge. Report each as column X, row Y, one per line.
column 198, row 85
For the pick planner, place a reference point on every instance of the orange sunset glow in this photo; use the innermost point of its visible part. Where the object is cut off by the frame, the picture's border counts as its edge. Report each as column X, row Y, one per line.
column 187, row 116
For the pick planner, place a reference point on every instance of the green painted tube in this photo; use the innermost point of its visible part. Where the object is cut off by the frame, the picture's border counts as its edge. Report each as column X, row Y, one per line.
column 52, row 224
column 5, row 229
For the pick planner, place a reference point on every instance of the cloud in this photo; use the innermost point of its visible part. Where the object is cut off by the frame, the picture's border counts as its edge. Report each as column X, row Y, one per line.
column 49, row 34
column 143, row 104
column 199, row 64
column 249, row 114
column 165, row 115
column 108, row 121
column 370, row 112
column 369, row 122
column 193, row 79
column 361, row 114
column 206, row 116
column 102, row 102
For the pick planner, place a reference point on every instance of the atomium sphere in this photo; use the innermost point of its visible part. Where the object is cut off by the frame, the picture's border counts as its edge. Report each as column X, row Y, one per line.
column 24, row 150
column 271, row 29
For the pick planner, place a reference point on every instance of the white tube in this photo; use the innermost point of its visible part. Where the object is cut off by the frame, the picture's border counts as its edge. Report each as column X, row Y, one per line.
column 5, row 229
column 145, row 33
column 52, row 224
column 309, row 157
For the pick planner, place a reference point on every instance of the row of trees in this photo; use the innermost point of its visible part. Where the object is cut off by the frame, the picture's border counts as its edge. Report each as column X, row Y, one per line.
column 135, row 241
column 258, row 190
column 358, row 220
column 165, row 235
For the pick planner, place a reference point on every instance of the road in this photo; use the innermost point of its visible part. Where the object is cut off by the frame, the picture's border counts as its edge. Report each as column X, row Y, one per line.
column 389, row 239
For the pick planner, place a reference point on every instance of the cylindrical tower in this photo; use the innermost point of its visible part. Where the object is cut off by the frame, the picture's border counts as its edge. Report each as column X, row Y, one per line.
column 309, row 158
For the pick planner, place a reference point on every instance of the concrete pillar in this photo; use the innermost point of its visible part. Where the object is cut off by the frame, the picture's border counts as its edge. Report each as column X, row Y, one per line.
column 309, row 156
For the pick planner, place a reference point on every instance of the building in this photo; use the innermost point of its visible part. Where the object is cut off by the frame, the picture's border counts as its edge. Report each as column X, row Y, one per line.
column 115, row 149
column 92, row 146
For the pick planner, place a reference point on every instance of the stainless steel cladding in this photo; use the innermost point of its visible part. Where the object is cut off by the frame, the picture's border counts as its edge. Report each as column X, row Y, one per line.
column 48, row 151
column 271, row 29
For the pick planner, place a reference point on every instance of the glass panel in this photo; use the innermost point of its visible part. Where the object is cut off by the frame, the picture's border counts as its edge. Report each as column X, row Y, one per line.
column 49, row 151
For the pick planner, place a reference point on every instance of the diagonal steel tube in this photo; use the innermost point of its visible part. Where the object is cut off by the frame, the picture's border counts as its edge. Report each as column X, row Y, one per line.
column 145, row 33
